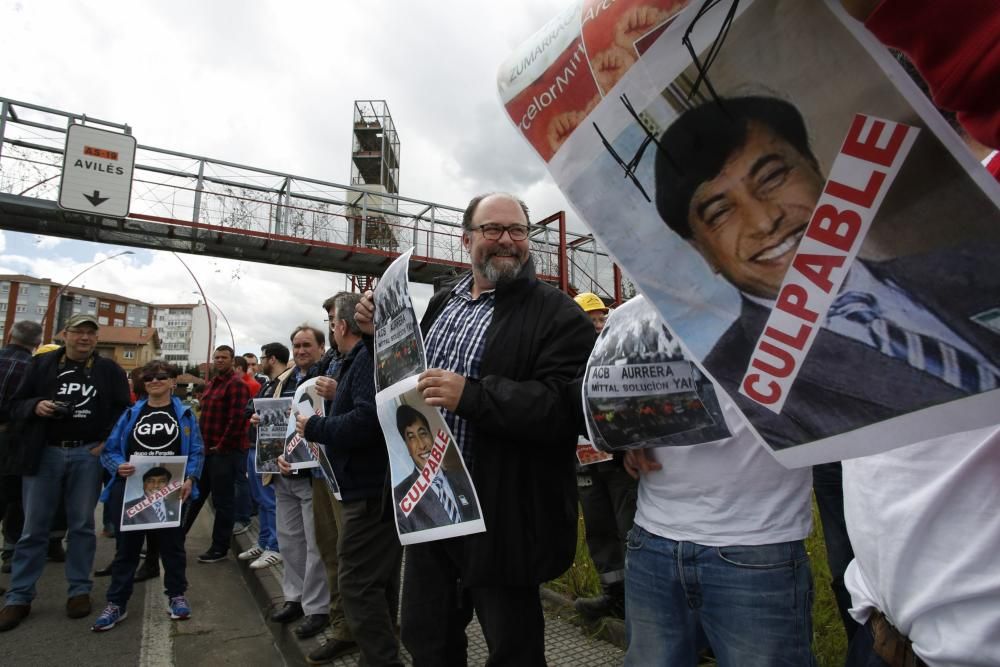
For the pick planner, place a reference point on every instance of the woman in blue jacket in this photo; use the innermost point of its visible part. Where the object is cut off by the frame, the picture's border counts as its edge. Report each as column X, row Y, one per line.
column 157, row 425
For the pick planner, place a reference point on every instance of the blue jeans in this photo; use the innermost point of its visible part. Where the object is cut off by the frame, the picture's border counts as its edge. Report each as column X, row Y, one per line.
column 72, row 476
column 264, row 497
column 753, row 604
column 243, row 501
column 128, row 545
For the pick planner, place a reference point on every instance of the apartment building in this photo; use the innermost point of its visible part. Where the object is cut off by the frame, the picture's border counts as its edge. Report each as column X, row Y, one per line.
column 185, row 332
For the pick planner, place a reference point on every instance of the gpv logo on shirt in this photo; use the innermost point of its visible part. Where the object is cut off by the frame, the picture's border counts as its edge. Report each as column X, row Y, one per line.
column 156, row 430
column 77, row 393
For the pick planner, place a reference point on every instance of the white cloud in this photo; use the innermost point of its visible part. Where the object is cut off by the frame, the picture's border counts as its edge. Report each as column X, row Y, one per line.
column 46, row 242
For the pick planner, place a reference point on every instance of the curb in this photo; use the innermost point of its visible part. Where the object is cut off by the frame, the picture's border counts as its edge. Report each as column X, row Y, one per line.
column 265, row 587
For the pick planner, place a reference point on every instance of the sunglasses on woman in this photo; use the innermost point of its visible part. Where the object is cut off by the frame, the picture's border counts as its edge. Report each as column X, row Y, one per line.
column 159, row 376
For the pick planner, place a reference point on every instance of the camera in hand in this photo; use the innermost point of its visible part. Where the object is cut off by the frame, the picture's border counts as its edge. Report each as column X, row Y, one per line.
column 61, row 409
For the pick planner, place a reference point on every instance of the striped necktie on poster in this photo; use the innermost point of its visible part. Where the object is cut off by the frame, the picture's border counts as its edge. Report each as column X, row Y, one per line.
column 161, row 514
column 446, row 500
column 926, row 353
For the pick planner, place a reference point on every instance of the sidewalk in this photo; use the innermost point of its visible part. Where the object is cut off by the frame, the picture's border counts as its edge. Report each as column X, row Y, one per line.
column 566, row 645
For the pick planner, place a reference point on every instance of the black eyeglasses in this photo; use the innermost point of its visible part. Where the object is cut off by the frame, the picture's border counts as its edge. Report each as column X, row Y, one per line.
column 162, row 377
column 494, row 232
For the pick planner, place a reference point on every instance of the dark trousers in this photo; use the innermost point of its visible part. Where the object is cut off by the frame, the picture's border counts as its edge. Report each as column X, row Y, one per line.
column 828, row 485
column 218, row 479
column 368, row 555
column 436, row 611
column 127, row 553
column 608, row 504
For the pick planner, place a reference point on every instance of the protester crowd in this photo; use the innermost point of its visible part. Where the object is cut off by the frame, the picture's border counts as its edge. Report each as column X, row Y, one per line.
column 699, row 548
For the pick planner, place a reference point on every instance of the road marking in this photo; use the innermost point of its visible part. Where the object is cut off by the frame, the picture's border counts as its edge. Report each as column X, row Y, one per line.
column 156, row 648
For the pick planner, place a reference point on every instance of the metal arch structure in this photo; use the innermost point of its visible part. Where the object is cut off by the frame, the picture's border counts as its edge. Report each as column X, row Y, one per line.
column 194, row 204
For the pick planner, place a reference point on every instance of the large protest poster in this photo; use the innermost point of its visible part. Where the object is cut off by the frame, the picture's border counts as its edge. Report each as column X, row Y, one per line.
column 640, row 390
column 432, row 492
column 271, row 430
column 433, row 495
column 399, row 347
column 799, row 214
column 153, row 492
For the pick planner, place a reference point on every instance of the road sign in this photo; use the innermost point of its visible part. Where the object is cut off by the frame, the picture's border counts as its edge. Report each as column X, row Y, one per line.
column 97, row 171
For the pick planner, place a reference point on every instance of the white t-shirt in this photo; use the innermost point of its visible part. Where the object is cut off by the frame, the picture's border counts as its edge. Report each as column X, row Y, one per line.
column 726, row 492
column 925, row 524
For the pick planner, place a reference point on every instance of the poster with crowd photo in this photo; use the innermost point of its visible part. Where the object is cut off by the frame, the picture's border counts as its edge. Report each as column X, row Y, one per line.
column 641, row 391
column 432, row 492
column 399, row 346
column 775, row 185
column 153, row 492
column 271, row 430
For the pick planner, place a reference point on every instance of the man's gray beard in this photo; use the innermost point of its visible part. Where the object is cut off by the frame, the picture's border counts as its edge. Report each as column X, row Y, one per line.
column 499, row 275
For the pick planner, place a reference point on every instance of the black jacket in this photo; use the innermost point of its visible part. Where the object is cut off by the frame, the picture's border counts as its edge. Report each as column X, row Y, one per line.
column 526, row 416
column 351, row 431
column 29, row 435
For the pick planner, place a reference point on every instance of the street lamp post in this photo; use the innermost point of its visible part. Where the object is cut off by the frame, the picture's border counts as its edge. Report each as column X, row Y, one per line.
column 226, row 319
column 55, row 299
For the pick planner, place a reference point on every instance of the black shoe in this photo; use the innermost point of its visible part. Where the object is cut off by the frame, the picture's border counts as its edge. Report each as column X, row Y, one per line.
column 212, row 556
column 6, row 567
column 104, row 571
column 330, row 651
column 312, row 626
column 594, row 608
column 56, row 552
column 288, row 613
column 147, row 571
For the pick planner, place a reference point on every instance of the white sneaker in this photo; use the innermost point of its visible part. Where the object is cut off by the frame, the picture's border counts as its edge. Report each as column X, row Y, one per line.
column 253, row 553
column 267, row 559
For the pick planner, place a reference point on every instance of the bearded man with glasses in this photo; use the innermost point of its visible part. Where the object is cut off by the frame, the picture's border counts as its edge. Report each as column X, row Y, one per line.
column 503, row 351
column 65, row 407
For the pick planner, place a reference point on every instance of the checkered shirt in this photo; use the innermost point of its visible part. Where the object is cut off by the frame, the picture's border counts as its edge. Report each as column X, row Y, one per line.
column 456, row 342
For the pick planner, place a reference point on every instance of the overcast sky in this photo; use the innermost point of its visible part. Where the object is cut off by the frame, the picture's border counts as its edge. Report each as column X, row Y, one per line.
column 272, row 85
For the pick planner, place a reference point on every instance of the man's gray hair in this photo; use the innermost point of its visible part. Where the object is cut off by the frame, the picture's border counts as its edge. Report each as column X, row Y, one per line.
column 470, row 210
column 26, row 333
column 344, row 304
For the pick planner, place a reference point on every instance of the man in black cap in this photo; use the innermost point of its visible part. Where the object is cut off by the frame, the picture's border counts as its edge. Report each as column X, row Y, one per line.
column 65, row 409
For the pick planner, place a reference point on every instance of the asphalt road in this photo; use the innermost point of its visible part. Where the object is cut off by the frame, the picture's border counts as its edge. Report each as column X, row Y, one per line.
column 226, row 626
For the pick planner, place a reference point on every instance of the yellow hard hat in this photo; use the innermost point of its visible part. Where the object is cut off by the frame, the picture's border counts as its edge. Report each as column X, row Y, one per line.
column 48, row 347
column 589, row 301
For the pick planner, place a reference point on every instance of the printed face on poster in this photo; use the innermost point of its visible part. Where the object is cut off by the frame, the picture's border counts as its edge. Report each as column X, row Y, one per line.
column 812, row 231
column 306, row 402
column 153, row 493
column 433, row 494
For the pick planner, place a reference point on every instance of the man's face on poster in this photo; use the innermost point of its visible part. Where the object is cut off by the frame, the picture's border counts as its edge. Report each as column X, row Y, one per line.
column 747, row 221
column 154, row 483
column 419, row 442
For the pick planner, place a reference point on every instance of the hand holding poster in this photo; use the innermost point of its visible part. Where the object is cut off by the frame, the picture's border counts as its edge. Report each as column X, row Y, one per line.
column 274, row 414
column 433, row 495
column 641, row 391
column 399, row 347
column 153, row 493
column 808, row 226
